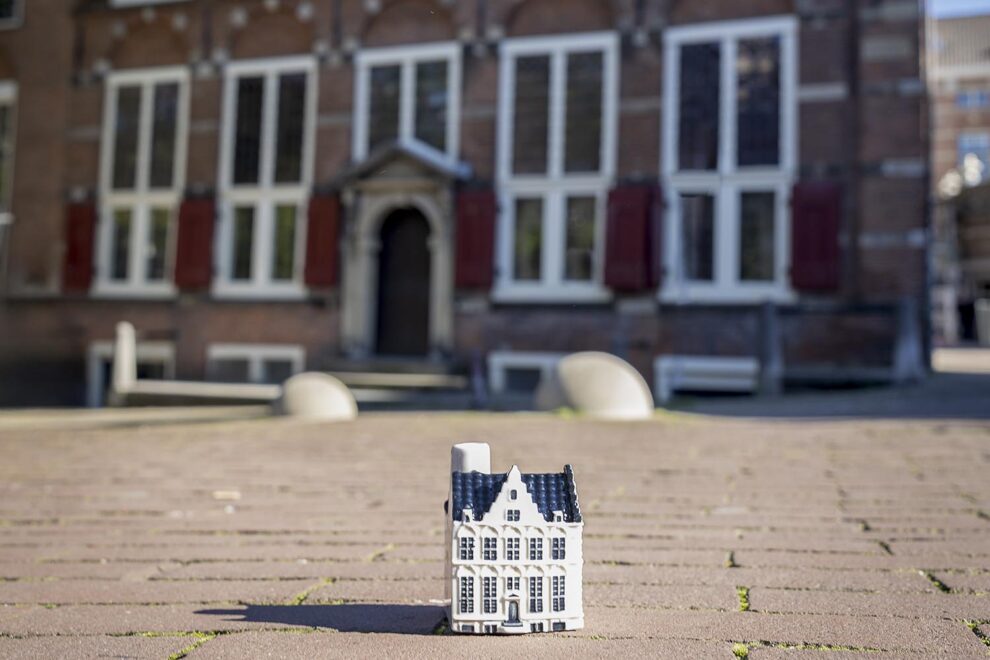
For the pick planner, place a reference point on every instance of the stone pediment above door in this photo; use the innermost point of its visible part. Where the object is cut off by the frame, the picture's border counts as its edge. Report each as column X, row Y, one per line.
column 403, row 164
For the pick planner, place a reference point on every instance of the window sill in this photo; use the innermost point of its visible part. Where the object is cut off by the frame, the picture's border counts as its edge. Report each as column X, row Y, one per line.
column 254, row 292
column 110, row 291
column 551, row 294
column 691, row 294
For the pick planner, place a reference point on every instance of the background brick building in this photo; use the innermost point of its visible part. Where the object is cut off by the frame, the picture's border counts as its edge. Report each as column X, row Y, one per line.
column 270, row 185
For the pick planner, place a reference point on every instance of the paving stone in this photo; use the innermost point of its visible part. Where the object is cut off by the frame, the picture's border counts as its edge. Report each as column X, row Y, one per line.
column 937, row 605
column 98, row 646
column 116, row 592
column 345, row 645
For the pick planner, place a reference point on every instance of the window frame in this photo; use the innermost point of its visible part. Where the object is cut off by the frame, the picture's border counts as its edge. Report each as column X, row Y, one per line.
column 142, row 199
column 407, row 57
column 555, row 185
column 256, row 355
column 9, row 98
column 266, row 194
column 729, row 181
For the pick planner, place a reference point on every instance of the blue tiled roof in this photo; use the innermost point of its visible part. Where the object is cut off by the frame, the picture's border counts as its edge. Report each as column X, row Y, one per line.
column 551, row 492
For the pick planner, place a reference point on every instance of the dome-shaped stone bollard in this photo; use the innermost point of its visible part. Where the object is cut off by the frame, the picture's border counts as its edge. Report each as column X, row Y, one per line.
column 316, row 396
column 598, row 385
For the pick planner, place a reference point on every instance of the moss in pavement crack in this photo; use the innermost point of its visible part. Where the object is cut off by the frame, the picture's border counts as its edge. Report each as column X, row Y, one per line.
column 201, row 638
column 743, row 593
column 301, row 597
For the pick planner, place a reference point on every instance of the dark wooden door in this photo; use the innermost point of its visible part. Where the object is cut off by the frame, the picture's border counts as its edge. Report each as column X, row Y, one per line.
column 404, row 285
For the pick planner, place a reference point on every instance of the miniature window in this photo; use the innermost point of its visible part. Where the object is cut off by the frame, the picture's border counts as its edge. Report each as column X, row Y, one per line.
column 558, row 550
column 512, row 515
column 467, row 594
column 557, row 592
column 512, row 549
column 512, row 584
column 535, row 549
column 490, row 549
column 535, row 594
column 267, row 158
column 536, row 627
column 408, row 94
column 490, row 594
column 466, row 550
column 513, row 494
column 729, row 159
column 142, row 179
column 556, row 161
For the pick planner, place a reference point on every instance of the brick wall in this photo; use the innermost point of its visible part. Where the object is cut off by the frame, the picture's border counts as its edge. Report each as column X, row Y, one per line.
column 861, row 117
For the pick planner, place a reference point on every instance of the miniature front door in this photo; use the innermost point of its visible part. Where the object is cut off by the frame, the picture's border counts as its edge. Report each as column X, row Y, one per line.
column 513, row 611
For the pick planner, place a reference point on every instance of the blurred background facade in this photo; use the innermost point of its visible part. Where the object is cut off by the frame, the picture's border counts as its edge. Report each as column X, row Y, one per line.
column 701, row 187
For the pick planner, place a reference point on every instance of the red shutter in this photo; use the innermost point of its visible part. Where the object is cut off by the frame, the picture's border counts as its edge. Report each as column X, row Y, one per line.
column 632, row 237
column 321, row 241
column 80, row 236
column 476, row 213
column 194, row 247
column 816, row 218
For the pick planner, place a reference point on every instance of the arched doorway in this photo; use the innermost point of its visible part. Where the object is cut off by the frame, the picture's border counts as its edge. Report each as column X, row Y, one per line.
column 403, row 318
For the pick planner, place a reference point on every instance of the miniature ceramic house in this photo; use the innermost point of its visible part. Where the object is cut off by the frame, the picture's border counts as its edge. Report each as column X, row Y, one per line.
column 514, row 553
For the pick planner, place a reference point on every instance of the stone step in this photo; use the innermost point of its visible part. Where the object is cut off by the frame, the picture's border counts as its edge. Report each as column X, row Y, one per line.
column 401, row 381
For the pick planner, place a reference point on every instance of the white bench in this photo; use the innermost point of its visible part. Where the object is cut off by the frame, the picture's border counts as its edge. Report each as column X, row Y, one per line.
column 672, row 373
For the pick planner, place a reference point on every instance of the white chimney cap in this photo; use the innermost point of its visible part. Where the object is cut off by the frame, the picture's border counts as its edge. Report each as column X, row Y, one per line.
column 471, row 457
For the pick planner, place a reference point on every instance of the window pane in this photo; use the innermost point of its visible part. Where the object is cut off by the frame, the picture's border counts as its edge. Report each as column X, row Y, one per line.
column 243, row 244
column 580, row 241
column 247, row 140
column 698, row 112
column 531, row 115
column 150, row 370
column 120, row 244
column 758, row 101
column 431, row 103
column 290, row 127
column 229, row 370
column 522, row 379
column 163, row 135
column 6, row 156
column 528, row 239
column 584, row 112
column 276, row 372
column 698, row 226
column 756, row 236
column 7, row 9
column 126, row 137
column 383, row 120
column 157, row 244
column 283, row 257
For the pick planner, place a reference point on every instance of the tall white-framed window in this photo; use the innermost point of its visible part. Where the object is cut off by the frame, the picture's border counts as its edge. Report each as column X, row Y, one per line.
column 143, row 168
column 11, row 14
column 155, row 361
column 556, row 162
column 408, row 93
column 266, row 169
column 8, row 117
column 254, row 363
column 729, row 159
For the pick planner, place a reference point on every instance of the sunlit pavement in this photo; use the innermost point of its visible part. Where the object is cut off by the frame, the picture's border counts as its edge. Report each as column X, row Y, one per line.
column 270, row 538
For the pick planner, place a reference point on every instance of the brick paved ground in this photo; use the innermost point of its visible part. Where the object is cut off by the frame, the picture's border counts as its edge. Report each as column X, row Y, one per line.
column 704, row 537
